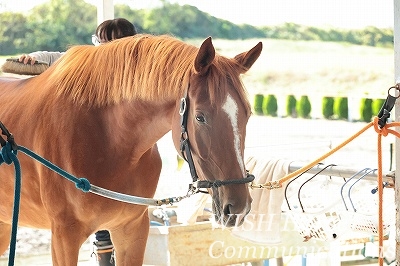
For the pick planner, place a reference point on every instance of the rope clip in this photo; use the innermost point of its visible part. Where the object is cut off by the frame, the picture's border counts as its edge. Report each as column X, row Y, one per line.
column 388, row 105
column 10, row 137
column 268, row 185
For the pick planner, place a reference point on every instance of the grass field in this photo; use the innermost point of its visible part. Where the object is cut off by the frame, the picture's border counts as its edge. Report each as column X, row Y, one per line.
column 319, row 68
column 311, row 67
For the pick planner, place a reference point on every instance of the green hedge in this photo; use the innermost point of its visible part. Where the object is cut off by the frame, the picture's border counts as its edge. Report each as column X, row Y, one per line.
column 327, row 107
column 291, row 106
column 340, row 108
column 376, row 106
column 270, row 105
column 366, row 109
column 258, row 102
column 303, row 107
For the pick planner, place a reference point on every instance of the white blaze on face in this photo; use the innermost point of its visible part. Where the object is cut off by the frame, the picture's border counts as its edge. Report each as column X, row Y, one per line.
column 231, row 109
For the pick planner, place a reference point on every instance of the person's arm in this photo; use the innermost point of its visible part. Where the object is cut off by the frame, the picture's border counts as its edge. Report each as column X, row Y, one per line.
column 44, row 56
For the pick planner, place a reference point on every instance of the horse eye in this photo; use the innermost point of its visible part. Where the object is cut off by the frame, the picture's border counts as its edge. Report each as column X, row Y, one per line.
column 200, row 118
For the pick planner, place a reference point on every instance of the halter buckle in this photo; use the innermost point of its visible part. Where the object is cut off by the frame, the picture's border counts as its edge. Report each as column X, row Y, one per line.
column 182, row 108
column 195, row 186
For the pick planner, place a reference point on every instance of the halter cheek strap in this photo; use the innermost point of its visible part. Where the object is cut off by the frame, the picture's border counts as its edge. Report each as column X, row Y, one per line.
column 187, row 155
column 185, row 145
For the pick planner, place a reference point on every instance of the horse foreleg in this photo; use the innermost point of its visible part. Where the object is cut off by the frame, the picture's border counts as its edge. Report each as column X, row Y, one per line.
column 65, row 244
column 5, row 236
column 130, row 242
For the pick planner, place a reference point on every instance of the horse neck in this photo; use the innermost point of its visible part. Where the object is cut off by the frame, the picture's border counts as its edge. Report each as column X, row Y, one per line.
column 138, row 125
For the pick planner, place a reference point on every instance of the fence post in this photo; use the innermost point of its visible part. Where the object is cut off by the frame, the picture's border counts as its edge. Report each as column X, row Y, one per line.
column 396, row 33
column 105, row 10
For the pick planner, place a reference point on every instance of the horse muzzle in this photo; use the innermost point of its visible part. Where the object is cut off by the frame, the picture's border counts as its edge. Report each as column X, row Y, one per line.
column 230, row 205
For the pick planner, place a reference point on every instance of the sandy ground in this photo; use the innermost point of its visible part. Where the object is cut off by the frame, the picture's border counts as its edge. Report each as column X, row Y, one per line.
column 286, row 138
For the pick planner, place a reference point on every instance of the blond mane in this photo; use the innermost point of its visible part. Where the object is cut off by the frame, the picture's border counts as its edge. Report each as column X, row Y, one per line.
column 144, row 66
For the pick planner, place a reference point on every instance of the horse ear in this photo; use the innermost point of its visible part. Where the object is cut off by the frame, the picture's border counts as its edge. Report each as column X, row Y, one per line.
column 204, row 57
column 247, row 59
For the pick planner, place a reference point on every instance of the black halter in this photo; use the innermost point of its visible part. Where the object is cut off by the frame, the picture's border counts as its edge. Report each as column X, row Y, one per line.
column 187, row 155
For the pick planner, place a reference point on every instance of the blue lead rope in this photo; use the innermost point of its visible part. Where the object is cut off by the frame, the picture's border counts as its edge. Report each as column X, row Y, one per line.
column 81, row 183
column 9, row 156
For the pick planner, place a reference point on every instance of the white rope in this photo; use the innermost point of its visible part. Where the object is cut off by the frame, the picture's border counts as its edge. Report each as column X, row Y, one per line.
column 134, row 199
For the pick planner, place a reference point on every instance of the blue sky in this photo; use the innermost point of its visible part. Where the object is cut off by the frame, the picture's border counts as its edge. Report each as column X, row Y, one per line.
column 338, row 13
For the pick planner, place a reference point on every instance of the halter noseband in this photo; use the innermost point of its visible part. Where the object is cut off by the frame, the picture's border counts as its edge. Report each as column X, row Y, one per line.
column 187, row 155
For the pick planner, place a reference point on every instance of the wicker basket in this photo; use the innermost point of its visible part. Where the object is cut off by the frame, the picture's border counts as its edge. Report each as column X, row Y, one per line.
column 315, row 205
column 324, row 225
column 361, row 207
column 326, row 208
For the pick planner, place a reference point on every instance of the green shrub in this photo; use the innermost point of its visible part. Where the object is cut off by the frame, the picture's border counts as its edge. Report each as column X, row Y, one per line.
column 291, row 106
column 258, row 102
column 303, row 107
column 366, row 109
column 376, row 106
column 270, row 105
column 327, row 107
column 340, row 108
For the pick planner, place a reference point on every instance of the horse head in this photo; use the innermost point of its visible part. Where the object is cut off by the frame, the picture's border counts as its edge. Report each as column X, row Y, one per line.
column 211, row 130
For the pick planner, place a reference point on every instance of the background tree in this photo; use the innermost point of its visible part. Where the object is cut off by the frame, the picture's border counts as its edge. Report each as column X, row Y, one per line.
column 58, row 24
column 13, row 32
column 137, row 17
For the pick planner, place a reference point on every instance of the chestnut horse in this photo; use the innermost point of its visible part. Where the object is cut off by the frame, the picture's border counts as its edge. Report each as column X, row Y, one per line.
column 98, row 113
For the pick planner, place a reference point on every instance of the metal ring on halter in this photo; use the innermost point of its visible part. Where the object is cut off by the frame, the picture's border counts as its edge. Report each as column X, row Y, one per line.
column 182, row 108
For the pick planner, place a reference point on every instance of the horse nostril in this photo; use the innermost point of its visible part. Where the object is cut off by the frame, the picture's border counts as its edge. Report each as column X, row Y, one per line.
column 227, row 209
